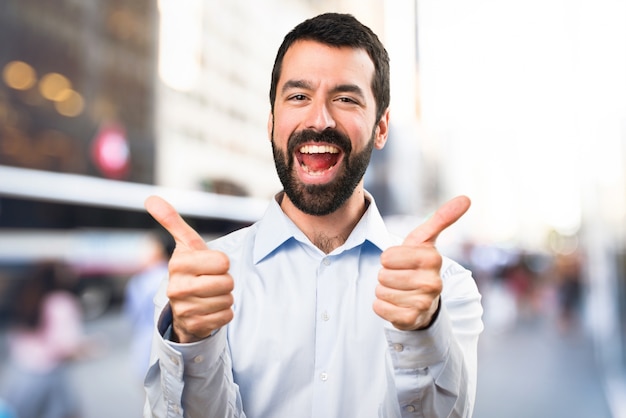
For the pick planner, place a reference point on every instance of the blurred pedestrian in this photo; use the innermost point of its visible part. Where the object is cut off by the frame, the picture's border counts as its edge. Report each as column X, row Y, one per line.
column 139, row 294
column 45, row 335
column 522, row 283
column 569, row 290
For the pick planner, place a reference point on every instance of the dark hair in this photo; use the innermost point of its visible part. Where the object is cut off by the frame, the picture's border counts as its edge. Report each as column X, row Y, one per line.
column 340, row 30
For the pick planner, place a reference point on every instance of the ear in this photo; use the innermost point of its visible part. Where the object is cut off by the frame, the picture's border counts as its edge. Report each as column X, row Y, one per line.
column 270, row 125
column 382, row 131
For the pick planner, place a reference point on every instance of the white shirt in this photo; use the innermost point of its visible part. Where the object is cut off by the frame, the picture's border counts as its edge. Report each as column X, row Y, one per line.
column 305, row 341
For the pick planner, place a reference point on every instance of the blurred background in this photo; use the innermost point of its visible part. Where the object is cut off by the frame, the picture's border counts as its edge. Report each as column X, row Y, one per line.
column 520, row 105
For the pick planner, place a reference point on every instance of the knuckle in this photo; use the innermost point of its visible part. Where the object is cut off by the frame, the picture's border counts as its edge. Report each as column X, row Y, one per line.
column 221, row 261
column 176, row 262
column 228, row 315
column 197, row 327
column 230, row 300
column 221, row 302
column 407, row 317
column 389, row 255
column 379, row 291
column 383, row 276
column 433, row 258
column 182, row 318
column 175, row 291
column 229, row 284
column 379, row 309
column 221, row 318
column 218, row 285
column 422, row 305
column 433, row 287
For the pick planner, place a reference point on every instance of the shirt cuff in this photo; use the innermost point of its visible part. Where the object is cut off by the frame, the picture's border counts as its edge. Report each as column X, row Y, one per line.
column 421, row 348
column 194, row 359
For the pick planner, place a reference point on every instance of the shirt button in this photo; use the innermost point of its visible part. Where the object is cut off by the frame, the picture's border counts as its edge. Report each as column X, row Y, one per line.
column 398, row 347
column 325, row 316
column 324, row 376
column 174, row 360
column 326, row 261
column 198, row 359
column 410, row 408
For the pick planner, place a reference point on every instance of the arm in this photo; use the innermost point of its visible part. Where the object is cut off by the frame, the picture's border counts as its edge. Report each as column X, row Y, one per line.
column 434, row 307
column 191, row 380
column 436, row 367
column 190, row 370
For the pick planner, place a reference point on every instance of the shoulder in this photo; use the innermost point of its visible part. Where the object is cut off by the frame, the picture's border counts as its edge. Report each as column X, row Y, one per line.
column 458, row 282
column 234, row 241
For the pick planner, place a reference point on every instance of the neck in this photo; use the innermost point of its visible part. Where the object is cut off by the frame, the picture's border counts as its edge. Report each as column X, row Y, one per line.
column 329, row 231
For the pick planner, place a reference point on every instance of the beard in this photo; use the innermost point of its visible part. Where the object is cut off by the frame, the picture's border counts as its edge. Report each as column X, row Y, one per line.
column 321, row 199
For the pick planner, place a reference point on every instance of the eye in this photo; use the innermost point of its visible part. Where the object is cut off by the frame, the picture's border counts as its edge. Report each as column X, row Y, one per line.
column 347, row 100
column 297, row 97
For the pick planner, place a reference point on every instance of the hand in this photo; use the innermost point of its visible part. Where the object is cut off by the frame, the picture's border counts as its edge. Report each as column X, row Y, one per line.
column 409, row 285
column 199, row 288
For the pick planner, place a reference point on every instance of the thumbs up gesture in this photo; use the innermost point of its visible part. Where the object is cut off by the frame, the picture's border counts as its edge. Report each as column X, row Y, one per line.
column 409, row 283
column 199, row 288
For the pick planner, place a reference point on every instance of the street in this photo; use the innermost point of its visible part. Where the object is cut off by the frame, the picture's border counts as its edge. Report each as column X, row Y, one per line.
column 533, row 371
column 527, row 371
column 106, row 385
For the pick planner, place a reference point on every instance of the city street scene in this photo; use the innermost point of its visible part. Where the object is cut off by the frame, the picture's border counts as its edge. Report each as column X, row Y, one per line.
column 531, row 369
column 519, row 105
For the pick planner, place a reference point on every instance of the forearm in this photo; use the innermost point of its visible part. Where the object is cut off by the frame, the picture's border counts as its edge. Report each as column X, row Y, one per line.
column 435, row 374
column 191, row 380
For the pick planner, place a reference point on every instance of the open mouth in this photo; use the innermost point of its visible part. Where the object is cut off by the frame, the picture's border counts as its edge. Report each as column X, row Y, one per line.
column 317, row 159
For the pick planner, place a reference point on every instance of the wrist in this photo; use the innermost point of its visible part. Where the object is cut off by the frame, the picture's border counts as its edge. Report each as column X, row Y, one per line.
column 434, row 315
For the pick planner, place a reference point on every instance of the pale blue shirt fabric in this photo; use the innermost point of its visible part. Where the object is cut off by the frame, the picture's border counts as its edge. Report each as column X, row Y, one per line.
column 305, row 341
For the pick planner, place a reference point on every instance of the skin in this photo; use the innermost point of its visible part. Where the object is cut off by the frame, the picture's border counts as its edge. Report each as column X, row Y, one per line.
column 320, row 87
column 325, row 87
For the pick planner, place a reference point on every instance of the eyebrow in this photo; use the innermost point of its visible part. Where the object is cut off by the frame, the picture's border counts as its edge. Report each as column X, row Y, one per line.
column 296, row 84
column 340, row 88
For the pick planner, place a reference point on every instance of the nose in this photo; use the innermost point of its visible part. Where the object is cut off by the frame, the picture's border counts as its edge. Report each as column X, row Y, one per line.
column 319, row 117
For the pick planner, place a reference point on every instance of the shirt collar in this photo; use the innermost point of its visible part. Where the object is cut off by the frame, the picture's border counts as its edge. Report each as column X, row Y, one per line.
column 276, row 229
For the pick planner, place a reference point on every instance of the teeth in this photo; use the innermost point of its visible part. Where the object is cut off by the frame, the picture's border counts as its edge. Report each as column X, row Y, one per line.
column 319, row 149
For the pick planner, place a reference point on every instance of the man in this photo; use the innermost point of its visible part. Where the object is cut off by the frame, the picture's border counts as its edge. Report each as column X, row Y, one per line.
column 315, row 310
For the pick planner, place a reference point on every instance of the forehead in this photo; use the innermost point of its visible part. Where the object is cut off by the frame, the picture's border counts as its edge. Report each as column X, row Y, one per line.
column 318, row 63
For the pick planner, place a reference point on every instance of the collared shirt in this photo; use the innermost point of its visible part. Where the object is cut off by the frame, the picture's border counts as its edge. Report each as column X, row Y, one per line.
column 305, row 341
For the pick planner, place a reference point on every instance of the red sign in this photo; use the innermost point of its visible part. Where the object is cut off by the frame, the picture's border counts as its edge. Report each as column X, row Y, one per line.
column 110, row 151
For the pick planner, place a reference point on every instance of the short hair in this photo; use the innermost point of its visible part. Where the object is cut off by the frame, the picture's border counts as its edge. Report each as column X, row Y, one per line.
column 340, row 30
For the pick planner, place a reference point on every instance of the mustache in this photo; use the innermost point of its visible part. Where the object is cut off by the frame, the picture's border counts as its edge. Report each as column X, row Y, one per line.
column 328, row 136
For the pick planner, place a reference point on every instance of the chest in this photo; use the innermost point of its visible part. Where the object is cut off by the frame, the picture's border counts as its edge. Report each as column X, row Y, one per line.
column 286, row 306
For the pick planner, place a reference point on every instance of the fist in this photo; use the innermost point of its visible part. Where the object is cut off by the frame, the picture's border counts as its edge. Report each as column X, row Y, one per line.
column 409, row 283
column 200, row 287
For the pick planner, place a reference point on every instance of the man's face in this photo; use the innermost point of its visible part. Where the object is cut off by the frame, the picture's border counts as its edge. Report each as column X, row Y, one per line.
column 324, row 128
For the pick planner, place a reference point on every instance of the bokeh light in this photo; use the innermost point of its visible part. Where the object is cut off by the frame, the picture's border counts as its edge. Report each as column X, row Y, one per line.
column 19, row 75
column 70, row 103
column 54, row 86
